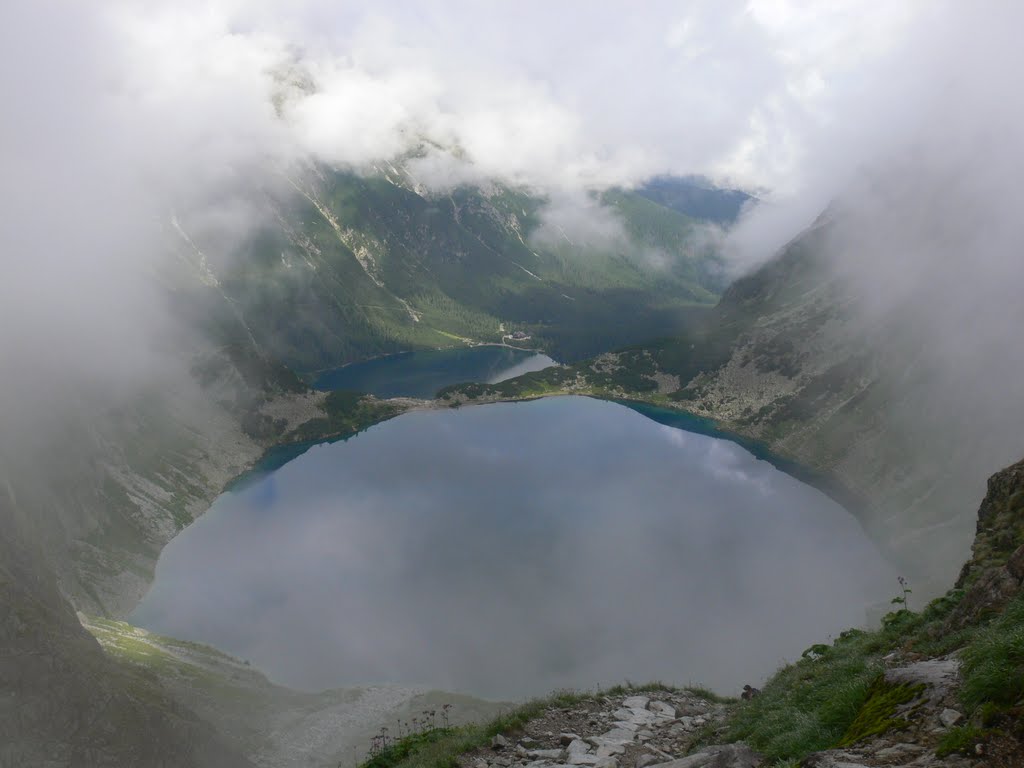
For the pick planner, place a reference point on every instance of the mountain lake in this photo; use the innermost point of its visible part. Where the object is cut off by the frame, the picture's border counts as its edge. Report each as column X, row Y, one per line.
column 511, row 549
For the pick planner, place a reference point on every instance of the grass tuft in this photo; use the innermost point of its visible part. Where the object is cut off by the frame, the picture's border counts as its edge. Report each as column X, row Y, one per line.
column 961, row 740
column 993, row 663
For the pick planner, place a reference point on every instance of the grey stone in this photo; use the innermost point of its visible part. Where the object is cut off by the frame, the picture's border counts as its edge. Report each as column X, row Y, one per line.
column 609, row 750
column 616, row 736
column 898, row 750
column 582, row 758
column 606, row 762
column 641, row 716
column 499, row 742
column 830, row 759
column 663, row 708
column 546, row 754
column 639, row 702
column 645, row 760
column 480, row 763
column 578, row 746
column 566, row 739
column 938, row 673
column 628, row 725
column 950, row 717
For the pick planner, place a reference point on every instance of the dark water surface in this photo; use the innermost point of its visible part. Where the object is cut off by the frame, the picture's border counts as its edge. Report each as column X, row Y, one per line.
column 421, row 374
column 511, row 549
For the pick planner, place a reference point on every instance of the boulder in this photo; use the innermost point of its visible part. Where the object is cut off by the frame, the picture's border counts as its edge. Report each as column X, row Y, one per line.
column 578, row 746
column 949, row 717
column 662, row 708
column 639, row 702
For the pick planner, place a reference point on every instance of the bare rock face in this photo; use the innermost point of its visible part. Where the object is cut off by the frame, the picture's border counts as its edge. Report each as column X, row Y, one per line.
column 995, row 572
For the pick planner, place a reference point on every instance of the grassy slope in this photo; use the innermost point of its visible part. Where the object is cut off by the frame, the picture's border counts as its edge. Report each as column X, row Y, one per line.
column 267, row 722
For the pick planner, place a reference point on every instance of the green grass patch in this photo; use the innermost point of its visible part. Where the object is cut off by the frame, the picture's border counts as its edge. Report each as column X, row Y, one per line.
column 993, row 662
column 878, row 713
column 960, row 740
column 831, row 695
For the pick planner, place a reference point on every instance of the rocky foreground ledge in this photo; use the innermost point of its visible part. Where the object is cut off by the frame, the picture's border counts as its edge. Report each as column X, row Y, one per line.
column 659, row 729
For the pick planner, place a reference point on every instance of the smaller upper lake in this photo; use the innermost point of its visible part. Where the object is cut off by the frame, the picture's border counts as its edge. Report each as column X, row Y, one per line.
column 421, row 374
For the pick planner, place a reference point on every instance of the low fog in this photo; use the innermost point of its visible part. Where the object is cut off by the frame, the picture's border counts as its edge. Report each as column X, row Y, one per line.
column 586, row 546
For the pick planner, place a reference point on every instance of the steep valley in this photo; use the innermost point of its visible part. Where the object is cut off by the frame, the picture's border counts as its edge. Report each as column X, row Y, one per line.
column 785, row 360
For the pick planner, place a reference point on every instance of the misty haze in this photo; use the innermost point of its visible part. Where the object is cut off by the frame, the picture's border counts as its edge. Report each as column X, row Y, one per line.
column 368, row 369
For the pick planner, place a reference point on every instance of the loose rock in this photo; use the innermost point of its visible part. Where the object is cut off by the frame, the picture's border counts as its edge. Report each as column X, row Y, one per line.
column 950, row 717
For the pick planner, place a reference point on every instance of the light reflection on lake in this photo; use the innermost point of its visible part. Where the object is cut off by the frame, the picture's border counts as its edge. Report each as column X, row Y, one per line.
column 508, row 550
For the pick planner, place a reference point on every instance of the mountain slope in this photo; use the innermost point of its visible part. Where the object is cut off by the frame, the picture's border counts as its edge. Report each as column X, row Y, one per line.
column 789, row 359
column 270, row 724
column 345, row 267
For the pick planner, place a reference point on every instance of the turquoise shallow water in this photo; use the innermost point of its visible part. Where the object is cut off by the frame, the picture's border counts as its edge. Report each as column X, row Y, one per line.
column 510, row 549
column 421, row 374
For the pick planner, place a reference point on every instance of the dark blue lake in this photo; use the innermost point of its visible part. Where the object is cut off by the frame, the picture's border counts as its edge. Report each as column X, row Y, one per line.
column 421, row 374
column 507, row 550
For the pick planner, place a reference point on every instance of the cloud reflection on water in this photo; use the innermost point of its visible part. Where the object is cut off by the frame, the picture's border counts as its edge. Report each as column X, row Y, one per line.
column 512, row 549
